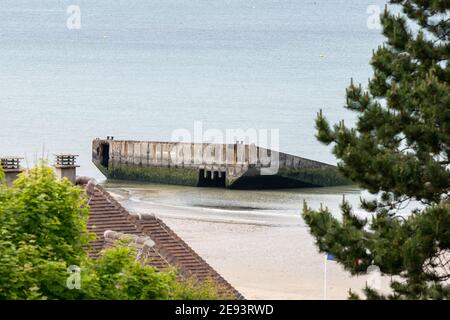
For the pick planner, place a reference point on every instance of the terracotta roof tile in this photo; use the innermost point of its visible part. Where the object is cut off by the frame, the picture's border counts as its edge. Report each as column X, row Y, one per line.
column 108, row 217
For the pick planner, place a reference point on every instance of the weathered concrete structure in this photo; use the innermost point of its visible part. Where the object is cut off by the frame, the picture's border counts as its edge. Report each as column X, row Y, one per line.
column 65, row 166
column 11, row 168
column 238, row 166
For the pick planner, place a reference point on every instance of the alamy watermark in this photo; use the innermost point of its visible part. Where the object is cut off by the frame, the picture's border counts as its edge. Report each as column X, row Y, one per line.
column 73, row 22
column 74, row 279
column 374, row 20
column 230, row 147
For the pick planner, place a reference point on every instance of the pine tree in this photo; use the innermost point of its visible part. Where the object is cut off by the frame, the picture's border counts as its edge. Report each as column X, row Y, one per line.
column 399, row 151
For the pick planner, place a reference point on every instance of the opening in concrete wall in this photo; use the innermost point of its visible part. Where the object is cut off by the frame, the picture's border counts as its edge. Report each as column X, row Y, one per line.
column 211, row 179
column 104, row 154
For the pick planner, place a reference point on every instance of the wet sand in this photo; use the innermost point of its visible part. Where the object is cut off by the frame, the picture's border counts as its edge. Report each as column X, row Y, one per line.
column 267, row 262
column 263, row 248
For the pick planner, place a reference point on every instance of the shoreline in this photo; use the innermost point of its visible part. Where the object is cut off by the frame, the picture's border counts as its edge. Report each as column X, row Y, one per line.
column 264, row 255
column 267, row 262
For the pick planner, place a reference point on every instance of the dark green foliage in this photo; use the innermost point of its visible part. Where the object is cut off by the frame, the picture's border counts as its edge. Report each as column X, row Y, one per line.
column 43, row 232
column 399, row 150
column 116, row 274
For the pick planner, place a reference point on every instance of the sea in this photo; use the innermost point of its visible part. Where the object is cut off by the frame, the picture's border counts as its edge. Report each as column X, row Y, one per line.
column 72, row 71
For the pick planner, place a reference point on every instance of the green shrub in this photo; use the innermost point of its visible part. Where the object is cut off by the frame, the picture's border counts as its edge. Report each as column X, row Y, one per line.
column 43, row 232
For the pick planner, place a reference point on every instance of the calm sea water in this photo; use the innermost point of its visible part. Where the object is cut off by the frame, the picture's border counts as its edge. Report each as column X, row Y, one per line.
column 141, row 69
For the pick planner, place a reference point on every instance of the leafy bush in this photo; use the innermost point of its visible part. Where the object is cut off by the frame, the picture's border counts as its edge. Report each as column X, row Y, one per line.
column 43, row 232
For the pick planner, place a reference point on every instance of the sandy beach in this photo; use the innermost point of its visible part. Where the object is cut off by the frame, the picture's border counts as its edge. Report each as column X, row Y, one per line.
column 263, row 247
column 267, row 262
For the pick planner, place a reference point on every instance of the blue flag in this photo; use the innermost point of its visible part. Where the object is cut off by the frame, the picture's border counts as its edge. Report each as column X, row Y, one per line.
column 330, row 257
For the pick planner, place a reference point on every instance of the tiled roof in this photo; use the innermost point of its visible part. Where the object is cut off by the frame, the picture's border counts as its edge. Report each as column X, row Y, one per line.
column 146, row 247
column 108, row 217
